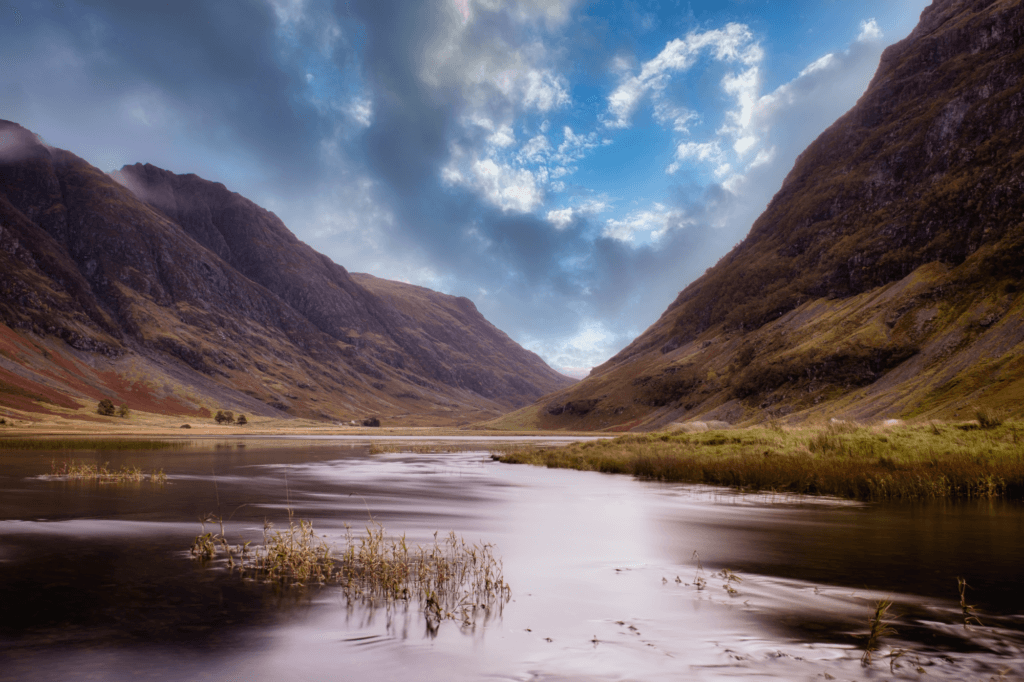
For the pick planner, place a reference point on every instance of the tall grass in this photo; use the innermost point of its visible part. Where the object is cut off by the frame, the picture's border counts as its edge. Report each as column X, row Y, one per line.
column 844, row 460
column 82, row 471
column 448, row 580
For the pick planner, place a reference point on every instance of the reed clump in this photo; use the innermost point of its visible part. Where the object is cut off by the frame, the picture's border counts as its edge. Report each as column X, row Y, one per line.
column 879, row 626
column 907, row 462
column 448, row 580
column 83, row 471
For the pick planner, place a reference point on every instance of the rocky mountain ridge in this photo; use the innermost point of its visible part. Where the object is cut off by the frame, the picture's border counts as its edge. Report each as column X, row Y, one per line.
column 215, row 303
column 883, row 278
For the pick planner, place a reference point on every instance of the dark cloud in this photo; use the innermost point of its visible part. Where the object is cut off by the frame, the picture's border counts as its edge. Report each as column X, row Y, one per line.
column 213, row 63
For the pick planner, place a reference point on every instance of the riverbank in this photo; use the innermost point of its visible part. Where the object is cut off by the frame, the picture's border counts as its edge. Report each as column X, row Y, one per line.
column 904, row 462
column 149, row 425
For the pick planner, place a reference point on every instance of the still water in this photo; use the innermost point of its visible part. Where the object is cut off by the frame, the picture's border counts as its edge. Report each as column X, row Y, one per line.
column 96, row 582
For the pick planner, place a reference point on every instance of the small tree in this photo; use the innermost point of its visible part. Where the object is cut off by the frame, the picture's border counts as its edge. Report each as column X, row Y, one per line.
column 123, row 411
column 241, row 421
column 222, row 417
column 106, row 407
column 371, row 421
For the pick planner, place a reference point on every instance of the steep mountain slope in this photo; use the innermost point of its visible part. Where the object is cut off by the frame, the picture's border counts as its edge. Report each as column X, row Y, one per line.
column 884, row 276
column 211, row 301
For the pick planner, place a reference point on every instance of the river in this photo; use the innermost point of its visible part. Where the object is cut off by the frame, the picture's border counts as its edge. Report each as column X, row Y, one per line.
column 96, row 582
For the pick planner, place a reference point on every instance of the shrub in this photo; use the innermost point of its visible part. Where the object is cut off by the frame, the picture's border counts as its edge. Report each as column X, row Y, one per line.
column 241, row 421
column 371, row 421
column 123, row 411
column 186, row 426
column 224, row 417
column 105, row 407
column 3, row 422
column 986, row 419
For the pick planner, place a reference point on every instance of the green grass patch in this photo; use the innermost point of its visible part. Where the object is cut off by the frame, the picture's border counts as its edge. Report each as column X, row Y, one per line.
column 843, row 460
column 86, row 444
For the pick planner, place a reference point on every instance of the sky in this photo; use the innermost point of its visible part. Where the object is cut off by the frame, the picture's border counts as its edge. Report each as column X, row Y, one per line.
column 570, row 166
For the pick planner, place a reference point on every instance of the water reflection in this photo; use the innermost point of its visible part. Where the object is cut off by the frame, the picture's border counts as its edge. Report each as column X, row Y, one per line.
column 96, row 583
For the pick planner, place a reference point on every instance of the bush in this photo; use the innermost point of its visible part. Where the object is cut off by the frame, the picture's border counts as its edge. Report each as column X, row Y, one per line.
column 106, row 407
column 123, row 411
column 224, row 417
column 371, row 421
column 241, row 421
column 986, row 419
column 186, row 426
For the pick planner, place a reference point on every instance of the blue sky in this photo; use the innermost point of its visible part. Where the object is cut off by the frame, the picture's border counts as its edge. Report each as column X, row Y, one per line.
column 568, row 165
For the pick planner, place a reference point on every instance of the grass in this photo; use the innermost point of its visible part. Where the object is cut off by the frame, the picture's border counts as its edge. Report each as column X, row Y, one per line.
column 878, row 627
column 85, row 444
column 448, row 580
column 966, row 609
column 840, row 459
column 75, row 471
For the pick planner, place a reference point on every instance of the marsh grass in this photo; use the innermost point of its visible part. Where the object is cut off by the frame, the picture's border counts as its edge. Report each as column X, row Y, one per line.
column 966, row 609
column 879, row 626
column 448, row 580
column 81, row 471
column 86, row 444
column 845, row 460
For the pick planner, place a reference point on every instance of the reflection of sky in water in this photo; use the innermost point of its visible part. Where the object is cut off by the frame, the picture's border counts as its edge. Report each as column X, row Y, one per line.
column 97, row 585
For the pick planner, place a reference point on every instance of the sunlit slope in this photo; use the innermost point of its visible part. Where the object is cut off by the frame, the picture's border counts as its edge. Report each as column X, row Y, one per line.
column 173, row 287
column 884, row 277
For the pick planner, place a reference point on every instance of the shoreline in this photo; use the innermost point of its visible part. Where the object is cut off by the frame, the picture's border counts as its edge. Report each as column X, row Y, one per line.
column 867, row 463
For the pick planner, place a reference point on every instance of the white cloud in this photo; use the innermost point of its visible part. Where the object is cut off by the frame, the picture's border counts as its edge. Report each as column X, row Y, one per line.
column 563, row 217
column 869, row 30
column 591, row 343
column 560, row 218
column 502, row 136
column 536, row 150
column 653, row 223
column 574, row 147
column 361, row 111
column 667, row 113
column 544, row 90
column 734, row 43
column 705, row 152
column 510, row 189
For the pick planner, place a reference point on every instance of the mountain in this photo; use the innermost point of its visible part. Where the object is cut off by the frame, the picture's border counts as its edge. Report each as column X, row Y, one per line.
column 172, row 292
column 882, row 280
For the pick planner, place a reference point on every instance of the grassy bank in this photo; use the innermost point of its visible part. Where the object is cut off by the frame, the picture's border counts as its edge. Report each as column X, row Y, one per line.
column 845, row 460
column 86, row 444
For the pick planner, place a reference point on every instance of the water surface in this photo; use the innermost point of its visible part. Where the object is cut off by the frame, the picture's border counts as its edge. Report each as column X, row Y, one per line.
column 96, row 581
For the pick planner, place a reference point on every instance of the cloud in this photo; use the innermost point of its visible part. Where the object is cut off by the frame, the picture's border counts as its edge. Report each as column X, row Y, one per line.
column 733, row 44
column 652, row 223
column 869, row 30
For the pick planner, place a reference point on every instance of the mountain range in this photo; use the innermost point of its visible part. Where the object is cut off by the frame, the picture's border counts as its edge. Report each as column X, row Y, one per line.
column 884, row 278
column 171, row 293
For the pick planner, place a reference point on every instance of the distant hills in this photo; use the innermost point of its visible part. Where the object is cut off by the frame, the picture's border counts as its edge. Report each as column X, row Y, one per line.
column 172, row 293
column 883, row 280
